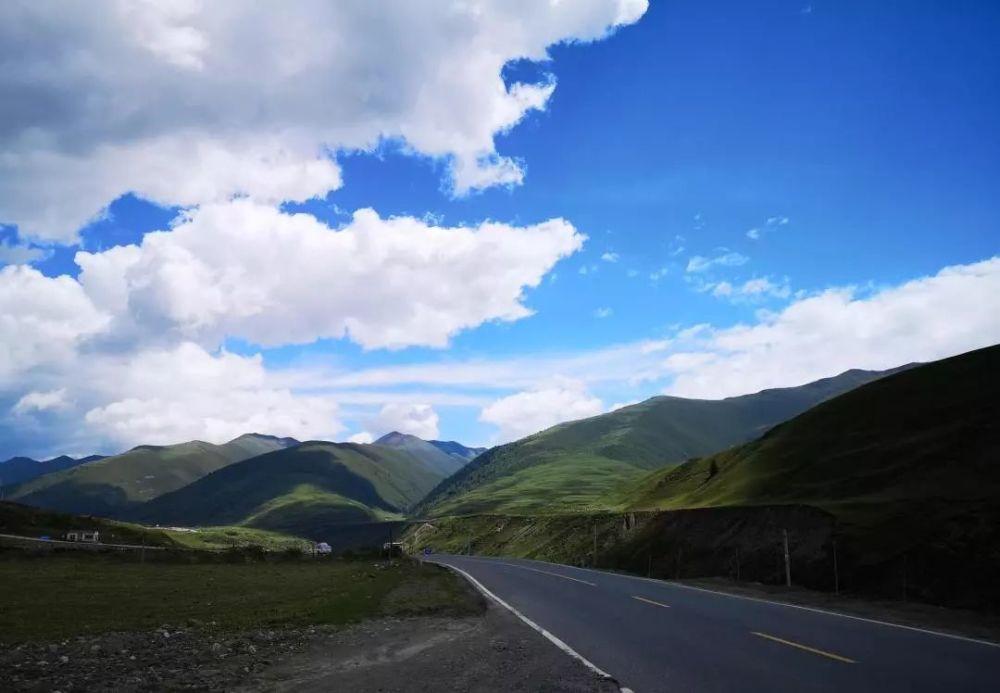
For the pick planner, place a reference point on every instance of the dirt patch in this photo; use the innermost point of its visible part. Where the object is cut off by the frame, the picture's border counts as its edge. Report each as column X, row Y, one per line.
column 484, row 654
column 169, row 658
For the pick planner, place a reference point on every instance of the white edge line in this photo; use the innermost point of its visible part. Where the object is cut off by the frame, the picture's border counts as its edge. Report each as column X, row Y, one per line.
column 670, row 583
column 552, row 638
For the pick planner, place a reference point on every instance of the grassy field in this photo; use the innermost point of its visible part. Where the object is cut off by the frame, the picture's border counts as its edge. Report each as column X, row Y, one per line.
column 54, row 598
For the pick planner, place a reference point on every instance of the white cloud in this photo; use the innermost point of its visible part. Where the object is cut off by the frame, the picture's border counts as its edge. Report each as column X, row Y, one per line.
column 528, row 412
column 42, row 320
column 419, row 420
column 186, row 103
column 751, row 290
column 362, row 438
column 700, row 264
column 818, row 336
column 21, row 253
column 245, row 270
column 41, row 401
column 814, row 337
column 603, row 313
column 770, row 224
column 610, row 257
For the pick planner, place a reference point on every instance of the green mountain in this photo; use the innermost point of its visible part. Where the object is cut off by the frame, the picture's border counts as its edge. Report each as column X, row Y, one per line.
column 18, row 470
column 109, row 486
column 457, row 449
column 443, row 458
column 929, row 433
column 574, row 466
column 300, row 490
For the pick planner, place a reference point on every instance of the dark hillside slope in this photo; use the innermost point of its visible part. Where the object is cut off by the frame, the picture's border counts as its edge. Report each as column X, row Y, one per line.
column 457, row 449
column 109, row 486
column 929, row 432
column 431, row 455
column 18, row 470
column 573, row 466
column 296, row 490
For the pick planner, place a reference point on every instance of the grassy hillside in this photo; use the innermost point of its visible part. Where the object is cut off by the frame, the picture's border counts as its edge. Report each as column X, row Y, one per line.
column 295, row 490
column 574, row 466
column 109, row 486
column 23, row 520
column 435, row 458
column 457, row 449
column 932, row 432
column 18, row 470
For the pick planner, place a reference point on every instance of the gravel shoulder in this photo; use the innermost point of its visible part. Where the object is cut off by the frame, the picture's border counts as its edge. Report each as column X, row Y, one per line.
column 491, row 652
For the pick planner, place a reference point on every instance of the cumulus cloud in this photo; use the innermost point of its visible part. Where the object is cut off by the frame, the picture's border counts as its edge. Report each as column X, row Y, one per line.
column 610, row 257
column 362, row 438
column 524, row 413
column 42, row 320
column 134, row 341
column 245, row 270
column 419, row 420
column 41, row 401
column 163, row 396
column 603, row 313
column 838, row 329
column 701, row 264
column 186, row 103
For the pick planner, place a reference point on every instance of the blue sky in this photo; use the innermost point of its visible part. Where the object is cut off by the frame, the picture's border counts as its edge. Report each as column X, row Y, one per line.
column 732, row 165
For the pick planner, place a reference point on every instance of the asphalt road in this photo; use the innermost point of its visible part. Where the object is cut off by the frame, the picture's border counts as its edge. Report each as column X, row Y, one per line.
column 660, row 636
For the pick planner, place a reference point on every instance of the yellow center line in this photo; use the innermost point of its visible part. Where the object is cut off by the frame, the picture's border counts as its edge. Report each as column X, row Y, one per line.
column 546, row 572
column 806, row 648
column 650, row 601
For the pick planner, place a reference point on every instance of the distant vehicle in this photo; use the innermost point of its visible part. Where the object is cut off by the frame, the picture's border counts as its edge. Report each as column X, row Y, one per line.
column 45, row 537
column 428, row 551
column 322, row 548
column 90, row 536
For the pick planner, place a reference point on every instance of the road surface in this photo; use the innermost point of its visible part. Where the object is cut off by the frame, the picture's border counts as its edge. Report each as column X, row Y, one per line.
column 661, row 636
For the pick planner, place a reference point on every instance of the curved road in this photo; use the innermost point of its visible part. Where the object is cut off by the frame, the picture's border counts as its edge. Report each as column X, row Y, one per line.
column 660, row 636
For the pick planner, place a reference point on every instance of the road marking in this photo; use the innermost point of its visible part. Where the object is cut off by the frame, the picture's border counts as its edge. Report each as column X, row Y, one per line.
column 549, row 636
column 548, row 572
column 826, row 612
column 806, row 648
column 650, row 601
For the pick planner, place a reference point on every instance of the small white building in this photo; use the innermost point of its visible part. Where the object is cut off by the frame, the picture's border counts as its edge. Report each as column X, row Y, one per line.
column 322, row 548
column 91, row 536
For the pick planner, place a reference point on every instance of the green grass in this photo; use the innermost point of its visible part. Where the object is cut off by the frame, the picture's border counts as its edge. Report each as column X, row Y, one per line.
column 577, row 466
column 63, row 597
column 23, row 520
column 932, row 432
column 110, row 486
column 226, row 537
column 296, row 490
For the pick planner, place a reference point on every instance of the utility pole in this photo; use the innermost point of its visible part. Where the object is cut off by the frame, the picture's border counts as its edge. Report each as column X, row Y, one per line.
column 468, row 543
column 142, row 551
column 836, row 572
column 595, row 545
column 788, row 561
column 738, row 564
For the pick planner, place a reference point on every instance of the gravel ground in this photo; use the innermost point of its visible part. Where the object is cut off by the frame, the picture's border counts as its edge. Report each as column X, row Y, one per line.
column 169, row 658
column 482, row 654
column 490, row 652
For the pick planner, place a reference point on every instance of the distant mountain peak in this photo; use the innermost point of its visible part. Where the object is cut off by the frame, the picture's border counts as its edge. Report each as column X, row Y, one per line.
column 395, row 437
